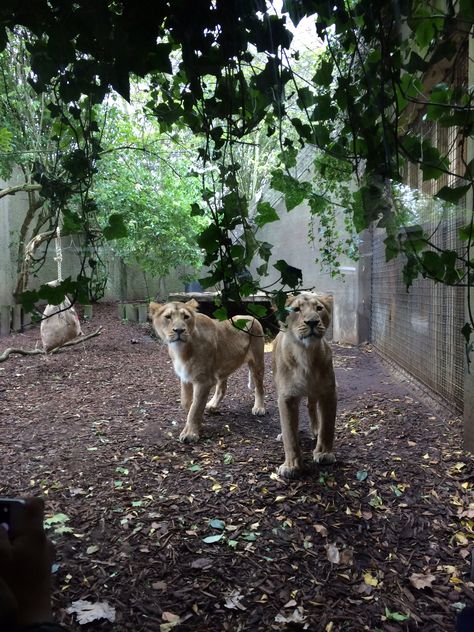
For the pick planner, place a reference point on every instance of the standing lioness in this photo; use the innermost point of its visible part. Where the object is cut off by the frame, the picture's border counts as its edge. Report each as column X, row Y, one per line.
column 302, row 367
column 204, row 353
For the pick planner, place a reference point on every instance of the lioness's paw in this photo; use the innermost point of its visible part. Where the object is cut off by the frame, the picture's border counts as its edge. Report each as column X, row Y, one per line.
column 324, row 458
column 211, row 408
column 188, row 437
column 289, row 472
column 259, row 411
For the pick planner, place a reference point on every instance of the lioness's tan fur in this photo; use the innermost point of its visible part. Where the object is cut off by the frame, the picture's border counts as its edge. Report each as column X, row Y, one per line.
column 204, row 353
column 302, row 367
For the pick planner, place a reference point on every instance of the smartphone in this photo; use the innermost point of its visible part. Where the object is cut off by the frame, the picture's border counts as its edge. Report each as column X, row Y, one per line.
column 11, row 513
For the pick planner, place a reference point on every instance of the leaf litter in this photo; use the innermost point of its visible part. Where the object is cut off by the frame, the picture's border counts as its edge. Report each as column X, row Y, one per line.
column 379, row 541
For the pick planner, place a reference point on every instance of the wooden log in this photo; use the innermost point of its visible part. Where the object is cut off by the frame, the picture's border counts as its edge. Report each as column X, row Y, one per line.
column 29, row 352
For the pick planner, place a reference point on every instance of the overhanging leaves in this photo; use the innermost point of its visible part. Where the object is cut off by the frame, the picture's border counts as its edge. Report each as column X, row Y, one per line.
column 116, row 227
column 290, row 276
column 265, row 214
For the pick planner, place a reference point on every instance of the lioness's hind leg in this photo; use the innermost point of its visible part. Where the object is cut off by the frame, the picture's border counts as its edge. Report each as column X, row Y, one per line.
column 219, row 393
column 256, row 371
column 327, row 412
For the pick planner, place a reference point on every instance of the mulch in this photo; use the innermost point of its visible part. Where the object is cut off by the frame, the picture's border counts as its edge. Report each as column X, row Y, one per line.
column 206, row 536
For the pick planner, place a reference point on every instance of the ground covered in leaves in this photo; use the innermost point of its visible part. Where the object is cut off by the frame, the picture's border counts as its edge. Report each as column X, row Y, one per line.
column 207, row 537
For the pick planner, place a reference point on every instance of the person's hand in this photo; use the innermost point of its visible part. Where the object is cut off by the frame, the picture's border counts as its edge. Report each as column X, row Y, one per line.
column 26, row 556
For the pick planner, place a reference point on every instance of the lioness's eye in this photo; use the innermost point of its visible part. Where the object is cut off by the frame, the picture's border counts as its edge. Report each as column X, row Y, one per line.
column 319, row 307
column 168, row 316
column 186, row 316
column 296, row 309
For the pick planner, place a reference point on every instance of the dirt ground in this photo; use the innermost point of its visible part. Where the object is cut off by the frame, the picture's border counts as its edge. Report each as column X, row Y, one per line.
column 379, row 541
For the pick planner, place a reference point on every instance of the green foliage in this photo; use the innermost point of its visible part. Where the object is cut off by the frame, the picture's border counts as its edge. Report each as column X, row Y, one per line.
column 228, row 79
column 265, row 214
column 5, row 140
column 295, row 191
column 144, row 191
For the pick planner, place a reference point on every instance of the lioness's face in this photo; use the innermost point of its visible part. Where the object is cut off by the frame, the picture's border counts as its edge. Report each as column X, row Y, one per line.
column 173, row 322
column 309, row 316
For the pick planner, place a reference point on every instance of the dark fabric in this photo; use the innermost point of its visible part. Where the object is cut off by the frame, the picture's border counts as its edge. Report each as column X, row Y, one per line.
column 44, row 627
column 465, row 622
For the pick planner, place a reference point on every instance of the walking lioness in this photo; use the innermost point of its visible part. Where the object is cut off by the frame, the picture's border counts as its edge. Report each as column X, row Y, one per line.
column 302, row 367
column 204, row 353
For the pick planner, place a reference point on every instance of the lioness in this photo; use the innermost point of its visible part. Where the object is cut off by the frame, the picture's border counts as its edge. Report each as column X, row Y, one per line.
column 302, row 367
column 204, row 353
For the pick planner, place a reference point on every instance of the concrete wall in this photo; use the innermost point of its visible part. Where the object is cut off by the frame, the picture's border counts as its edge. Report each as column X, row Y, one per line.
column 289, row 237
column 130, row 283
column 124, row 282
column 12, row 212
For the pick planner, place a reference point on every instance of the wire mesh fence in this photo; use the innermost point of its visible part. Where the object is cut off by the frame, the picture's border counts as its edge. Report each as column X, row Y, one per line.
column 420, row 329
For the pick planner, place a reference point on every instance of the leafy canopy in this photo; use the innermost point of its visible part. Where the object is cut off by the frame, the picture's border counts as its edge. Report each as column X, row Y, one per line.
column 223, row 69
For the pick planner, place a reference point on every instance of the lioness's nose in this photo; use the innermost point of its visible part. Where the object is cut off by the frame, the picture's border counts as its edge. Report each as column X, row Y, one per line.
column 312, row 323
column 178, row 330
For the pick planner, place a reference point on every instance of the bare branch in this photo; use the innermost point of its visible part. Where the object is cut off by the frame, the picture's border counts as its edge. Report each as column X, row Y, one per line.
column 29, row 352
column 20, row 187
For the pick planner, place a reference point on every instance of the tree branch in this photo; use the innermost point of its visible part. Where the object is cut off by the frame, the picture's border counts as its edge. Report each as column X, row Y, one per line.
column 20, row 187
column 29, row 352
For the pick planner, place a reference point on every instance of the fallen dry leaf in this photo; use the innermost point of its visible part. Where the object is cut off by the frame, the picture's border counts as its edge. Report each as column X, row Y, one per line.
column 297, row 616
column 420, row 581
column 232, row 601
column 159, row 585
column 201, row 563
column 86, row 612
column 333, row 554
column 170, row 617
column 321, row 529
column 370, row 580
column 347, row 556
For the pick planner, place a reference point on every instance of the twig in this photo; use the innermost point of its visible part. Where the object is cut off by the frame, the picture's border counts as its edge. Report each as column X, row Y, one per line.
column 26, row 352
column 77, row 340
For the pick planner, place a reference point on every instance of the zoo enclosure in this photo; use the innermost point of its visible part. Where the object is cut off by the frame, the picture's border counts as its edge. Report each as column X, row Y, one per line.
column 420, row 330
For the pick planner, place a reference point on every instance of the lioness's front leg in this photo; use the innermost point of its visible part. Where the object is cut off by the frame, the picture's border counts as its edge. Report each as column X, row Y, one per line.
column 327, row 415
column 186, row 395
column 192, row 428
column 293, row 464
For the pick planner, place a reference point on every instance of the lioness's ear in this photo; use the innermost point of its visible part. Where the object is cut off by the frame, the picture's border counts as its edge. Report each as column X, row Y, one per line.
column 154, row 308
column 192, row 304
column 327, row 301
